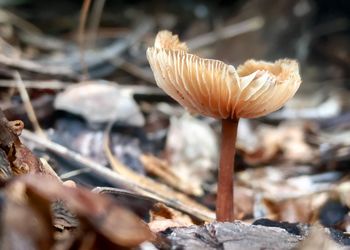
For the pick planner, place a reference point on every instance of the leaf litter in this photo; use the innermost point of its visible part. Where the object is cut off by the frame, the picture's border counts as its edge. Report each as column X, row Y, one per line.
column 152, row 166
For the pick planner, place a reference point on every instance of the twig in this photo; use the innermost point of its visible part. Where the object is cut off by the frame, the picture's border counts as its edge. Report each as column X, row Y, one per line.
column 7, row 49
column 36, row 67
column 45, row 42
column 27, row 105
column 111, row 53
column 229, row 31
column 85, row 162
column 137, row 71
column 119, row 191
column 160, row 168
column 112, row 176
column 9, row 17
column 159, row 191
column 73, row 173
column 139, row 90
column 97, row 57
column 97, row 9
column 51, row 84
column 81, row 35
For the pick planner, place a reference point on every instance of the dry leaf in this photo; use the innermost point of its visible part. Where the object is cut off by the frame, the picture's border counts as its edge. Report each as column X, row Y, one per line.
column 21, row 159
column 118, row 225
column 37, row 231
column 5, row 167
column 286, row 142
column 99, row 103
column 303, row 210
column 160, row 168
column 192, row 149
column 243, row 208
column 163, row 217
column 319, row 239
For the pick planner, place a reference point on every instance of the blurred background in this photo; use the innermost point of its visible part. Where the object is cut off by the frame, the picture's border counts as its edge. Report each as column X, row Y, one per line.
column 69, row 69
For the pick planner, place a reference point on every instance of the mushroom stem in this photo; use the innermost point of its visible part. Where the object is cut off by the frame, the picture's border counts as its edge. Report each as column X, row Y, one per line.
column 224, row 200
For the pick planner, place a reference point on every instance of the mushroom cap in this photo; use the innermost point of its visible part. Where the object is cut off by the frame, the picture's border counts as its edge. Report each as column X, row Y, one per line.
column 166, row 40
column 213, row 88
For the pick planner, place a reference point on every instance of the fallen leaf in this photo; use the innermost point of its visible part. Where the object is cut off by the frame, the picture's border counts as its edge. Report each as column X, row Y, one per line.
column 100, row 102
column 21, row 159
column 163, row 217
column 244, row 208
column 7, row 134
column 36, row 232
column 98, row 212
column 304, row 209
column 284, row 143
column 161, row 169
column 192, row 149
column 319, row 239
column 5, row 167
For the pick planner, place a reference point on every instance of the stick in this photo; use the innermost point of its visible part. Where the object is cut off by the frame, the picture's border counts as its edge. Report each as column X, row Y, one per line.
column 230, row 31
column 36, row 67
column 97, row 57
column 81, row 35
column 114, row 177
column 162, row 192
column 28, row 105
column 97, row 9
column 33, row 84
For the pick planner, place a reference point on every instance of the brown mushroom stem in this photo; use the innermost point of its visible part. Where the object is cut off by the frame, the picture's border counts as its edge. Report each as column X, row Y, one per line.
column 224, row 201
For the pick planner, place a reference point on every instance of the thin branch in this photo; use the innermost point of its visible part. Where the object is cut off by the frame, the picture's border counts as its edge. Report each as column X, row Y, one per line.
column 137, row 71
column 97, row 9
column 81, row 35
column 36, row 67
column 50, row 84
column 229, row 31
column 28, row 105
column 158, row 190
column 96, row 57
column 74, row 173
column 9, row 17
column 115, row 178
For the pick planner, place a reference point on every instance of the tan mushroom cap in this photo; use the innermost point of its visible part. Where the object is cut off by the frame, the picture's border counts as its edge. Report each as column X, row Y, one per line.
column 213, row 88
column 166, row 40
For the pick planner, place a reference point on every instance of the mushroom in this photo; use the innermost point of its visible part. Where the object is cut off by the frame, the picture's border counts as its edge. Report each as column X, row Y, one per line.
column 213, row 88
